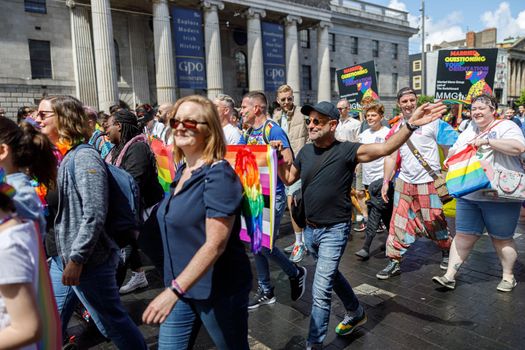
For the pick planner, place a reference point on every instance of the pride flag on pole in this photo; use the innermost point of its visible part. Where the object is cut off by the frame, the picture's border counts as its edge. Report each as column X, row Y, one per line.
column 165, row 165
column 256, row 167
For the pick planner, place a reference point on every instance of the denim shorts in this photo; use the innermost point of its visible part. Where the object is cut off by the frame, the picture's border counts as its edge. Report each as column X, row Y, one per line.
column 296, row 186
column 500, row 218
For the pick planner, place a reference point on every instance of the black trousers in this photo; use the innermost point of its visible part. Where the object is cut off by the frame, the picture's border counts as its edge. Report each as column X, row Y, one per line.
column 378, row 210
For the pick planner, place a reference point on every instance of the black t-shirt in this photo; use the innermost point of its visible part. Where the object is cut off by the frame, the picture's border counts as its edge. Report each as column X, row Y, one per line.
column 326, row 199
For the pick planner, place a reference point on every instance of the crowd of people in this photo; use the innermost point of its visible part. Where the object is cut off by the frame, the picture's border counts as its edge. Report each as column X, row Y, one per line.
column 64, row 168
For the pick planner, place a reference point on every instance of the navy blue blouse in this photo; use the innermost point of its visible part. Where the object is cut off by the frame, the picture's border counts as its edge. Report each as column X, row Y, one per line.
column 211, row 192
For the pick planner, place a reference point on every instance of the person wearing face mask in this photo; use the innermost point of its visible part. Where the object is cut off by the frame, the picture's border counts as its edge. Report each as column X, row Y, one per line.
column 500, row 143
column 418, row 210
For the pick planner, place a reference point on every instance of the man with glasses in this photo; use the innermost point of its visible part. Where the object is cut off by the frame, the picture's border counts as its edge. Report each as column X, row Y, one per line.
column 225, row 107
column 263, row 130
column 327, row 167
column 291, row 121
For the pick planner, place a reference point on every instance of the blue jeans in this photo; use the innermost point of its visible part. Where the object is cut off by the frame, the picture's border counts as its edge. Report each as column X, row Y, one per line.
column 261, row 259
column 327, row 245
column 98, row 292
column 225, row 319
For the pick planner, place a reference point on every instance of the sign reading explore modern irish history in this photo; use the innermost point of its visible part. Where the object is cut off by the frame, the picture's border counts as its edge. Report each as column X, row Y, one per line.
column 464, row 73
column 189, row 49
column 357, row 82
column 273, row 55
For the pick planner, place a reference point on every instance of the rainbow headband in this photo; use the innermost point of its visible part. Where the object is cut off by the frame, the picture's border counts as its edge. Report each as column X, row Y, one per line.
column 5, row 188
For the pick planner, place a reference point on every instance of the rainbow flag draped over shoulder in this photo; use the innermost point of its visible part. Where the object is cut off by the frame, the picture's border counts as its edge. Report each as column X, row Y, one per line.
column 465, row 173
column 51, row 324
column 165, row 165
column 256, row 167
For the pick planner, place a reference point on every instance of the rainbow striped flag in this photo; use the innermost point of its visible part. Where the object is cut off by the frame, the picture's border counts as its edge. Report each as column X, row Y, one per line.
column 256, row 167
column 165, row 165
column 52, row 330
column 465, row 173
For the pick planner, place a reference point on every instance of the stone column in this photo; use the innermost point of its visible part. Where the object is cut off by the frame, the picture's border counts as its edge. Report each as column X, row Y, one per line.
column 324, row 90
column 138, row 58
column 106, row 67
column 212, row 37
column 519, row 80
column 255, row 53
column 165, row 74
column 83, row 60
column 511, row 78
column 293, row 75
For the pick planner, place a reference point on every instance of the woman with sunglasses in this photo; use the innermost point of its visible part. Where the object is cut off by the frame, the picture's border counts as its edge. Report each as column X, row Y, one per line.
column 87, row 258
column 206, row 270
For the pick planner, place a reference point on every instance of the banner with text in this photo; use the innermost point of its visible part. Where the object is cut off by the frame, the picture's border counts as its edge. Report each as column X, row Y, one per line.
column 357, row 82
column 462, row 74
column 190, row 62
column 273, row 55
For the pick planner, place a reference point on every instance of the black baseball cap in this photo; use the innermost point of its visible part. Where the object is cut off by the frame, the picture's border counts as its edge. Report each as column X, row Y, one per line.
column 324, row 107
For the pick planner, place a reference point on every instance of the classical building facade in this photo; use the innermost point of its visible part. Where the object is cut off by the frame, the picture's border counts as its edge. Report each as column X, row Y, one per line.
column 154, row 51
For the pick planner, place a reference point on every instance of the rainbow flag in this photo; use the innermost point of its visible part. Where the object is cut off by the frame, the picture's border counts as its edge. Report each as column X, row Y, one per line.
column 257, row 169
column 165, row 165
column 52, row 330
column 465, row 173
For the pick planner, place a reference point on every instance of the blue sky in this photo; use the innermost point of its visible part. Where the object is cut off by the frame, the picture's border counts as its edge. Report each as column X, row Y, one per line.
column 450, row 19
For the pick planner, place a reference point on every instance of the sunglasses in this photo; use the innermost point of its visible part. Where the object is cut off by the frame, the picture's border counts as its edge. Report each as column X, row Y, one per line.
column 45, row 114
column 187, row 124
column 284, row 99
column 312, row 120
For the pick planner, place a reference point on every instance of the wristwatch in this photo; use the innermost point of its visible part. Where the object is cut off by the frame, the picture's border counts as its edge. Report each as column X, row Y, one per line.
column 411, row 127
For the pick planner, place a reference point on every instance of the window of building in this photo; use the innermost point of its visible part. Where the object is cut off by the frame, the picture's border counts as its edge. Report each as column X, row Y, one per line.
column 394, row 82
column 416, row 82
column 375, row 48
column 117, row 59
column 304, row 38
column 333, row 81
column 36, row 6
column 40, row 57
column 241, row 69
column 416, row 66
column 307, row 78
column 395, row 49
column 354, row 45
column 331, row 38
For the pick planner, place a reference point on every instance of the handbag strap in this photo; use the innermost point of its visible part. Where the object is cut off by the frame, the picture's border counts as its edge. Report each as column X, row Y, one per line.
column 317, row 166
column 421, row 160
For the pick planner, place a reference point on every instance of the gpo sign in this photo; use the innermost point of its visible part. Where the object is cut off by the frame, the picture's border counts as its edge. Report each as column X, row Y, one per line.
column 189, row 67
column 275, row 73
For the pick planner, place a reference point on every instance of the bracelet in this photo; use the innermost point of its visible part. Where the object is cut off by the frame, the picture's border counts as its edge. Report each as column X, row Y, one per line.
column 411, row 127
column 175, row 288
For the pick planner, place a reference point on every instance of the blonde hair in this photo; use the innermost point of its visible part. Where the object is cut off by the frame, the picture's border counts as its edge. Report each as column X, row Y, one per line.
column 284, row 88
column 215, row 148
column 374, row 107
column 72, row 121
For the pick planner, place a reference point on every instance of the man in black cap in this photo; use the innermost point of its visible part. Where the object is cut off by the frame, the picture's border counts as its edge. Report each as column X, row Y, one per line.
column 326, row 168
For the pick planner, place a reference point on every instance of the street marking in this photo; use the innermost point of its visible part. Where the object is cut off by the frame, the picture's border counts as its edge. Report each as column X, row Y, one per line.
column 372, row 295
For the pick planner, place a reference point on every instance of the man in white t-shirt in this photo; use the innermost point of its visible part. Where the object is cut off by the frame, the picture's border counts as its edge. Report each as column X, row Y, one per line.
column 225, row 106
column 378, row 209
column 161, row 129
column 348, row 127
column 418, row 210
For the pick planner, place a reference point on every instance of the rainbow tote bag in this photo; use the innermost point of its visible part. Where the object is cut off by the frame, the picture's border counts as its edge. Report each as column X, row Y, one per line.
column 465, row 173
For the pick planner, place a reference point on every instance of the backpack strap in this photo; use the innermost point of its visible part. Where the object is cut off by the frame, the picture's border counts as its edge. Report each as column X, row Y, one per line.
column 71, row 164
column 138, row 138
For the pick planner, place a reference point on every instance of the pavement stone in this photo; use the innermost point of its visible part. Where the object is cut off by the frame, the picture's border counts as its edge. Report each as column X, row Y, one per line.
column 404, row 312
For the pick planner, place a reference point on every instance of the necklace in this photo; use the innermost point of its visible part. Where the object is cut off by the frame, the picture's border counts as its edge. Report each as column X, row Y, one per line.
column 7, row 218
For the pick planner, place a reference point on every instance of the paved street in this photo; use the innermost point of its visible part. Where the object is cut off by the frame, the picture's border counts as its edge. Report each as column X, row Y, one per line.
column 406, row 312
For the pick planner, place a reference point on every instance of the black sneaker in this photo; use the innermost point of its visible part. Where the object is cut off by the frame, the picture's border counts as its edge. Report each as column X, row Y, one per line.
column 297, row 284
column 444, row 261
column 391, row 270
column 261, row 298
column 363, row 254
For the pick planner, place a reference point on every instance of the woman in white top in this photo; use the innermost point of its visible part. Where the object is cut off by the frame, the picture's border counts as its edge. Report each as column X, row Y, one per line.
column 20, row 321
column 500, row 143
column 378, row 209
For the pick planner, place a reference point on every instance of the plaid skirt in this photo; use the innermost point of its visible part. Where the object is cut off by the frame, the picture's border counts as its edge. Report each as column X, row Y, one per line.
column 417, row 212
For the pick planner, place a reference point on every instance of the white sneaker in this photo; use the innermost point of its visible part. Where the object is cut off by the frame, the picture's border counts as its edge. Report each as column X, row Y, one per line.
column 137, row 280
